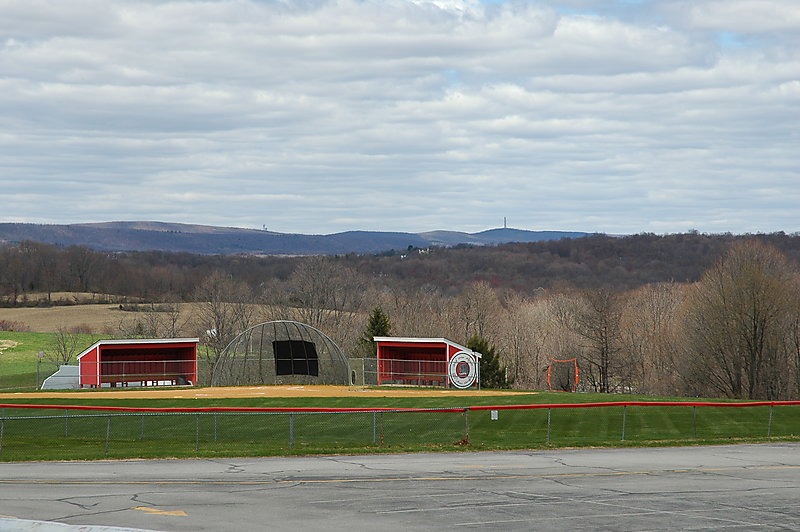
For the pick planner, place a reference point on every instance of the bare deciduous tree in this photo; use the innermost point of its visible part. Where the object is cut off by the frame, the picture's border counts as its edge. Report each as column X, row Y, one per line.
column 424, row 312
column 737, row 318
column 83, row 264
column 651, row 339
column 477, row 309
column 525, row 330
column 595, row 317
column 224, row 308
column 65, row 346
column 328, row 296
column 155, row 320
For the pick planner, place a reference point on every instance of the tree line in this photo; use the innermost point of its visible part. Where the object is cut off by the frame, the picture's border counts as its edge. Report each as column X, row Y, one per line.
column 727, row 326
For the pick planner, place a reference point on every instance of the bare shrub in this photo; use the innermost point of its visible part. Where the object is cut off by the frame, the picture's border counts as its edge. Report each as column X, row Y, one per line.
column 82, row 328
column 13, row 326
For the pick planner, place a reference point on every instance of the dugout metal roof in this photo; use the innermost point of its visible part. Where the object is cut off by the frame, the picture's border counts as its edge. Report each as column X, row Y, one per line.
column 410, row 340
column 134, row 341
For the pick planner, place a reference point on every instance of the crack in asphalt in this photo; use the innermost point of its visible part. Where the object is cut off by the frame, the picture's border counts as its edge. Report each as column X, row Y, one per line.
column 514, row 495
column 104, row 512
column 76, row 503
column 135, row 498
column 231, row 467
column 360, row 465
column 562, row 462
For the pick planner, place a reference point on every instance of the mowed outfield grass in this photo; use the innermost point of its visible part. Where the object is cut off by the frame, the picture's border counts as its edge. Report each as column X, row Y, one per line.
column 72, row 434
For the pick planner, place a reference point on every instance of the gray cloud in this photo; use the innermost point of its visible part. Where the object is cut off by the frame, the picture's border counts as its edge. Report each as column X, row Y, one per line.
column 325, row 116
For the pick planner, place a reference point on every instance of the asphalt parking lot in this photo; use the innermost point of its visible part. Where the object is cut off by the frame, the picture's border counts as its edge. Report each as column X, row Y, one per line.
column 737, row 487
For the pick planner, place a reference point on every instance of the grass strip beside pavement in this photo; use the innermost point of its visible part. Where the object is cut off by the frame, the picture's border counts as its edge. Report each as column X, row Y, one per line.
column 79, row 434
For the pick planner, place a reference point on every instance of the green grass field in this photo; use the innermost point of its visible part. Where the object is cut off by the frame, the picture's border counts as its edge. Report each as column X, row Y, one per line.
column 72, row 434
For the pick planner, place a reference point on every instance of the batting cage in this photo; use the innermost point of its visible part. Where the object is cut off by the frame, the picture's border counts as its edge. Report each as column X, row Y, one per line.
column 562, row 375
column 280, row 352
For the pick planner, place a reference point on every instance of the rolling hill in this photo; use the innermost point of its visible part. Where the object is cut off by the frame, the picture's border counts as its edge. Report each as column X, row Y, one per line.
column 211, row 240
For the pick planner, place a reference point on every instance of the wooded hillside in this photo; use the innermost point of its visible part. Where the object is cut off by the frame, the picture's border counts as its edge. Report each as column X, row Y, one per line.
column 708, row 315
column 589, row 262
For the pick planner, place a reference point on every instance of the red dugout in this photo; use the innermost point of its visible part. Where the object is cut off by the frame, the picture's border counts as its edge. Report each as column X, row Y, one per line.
column 140, row 362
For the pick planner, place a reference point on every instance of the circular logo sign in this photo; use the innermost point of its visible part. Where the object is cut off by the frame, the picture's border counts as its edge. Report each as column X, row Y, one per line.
column 462, row 370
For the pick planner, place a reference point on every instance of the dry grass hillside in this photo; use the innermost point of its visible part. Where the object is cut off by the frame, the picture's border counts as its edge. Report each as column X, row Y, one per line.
column 95, row 318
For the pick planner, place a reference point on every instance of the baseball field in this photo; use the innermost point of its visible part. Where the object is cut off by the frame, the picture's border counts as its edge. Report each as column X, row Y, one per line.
column 264, row 392
column 302, row 419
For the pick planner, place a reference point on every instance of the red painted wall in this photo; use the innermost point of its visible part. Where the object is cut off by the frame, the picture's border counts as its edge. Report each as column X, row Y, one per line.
column 89, row 369
column 139, row 362
column 412, row 363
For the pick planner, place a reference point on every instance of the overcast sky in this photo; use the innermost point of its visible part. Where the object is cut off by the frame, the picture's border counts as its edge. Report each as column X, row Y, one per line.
column 316, row 116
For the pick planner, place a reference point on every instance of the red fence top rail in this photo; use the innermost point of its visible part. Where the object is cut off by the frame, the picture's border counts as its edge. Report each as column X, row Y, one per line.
column 289, row 409
column 636, row 403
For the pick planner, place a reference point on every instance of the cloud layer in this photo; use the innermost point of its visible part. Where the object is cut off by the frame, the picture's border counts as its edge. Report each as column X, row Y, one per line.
column 321, row 116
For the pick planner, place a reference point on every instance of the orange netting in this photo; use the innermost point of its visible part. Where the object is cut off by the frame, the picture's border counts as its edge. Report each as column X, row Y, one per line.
column 564, row 381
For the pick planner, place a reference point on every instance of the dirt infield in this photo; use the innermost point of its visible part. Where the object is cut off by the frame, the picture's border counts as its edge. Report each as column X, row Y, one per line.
column 257, row 391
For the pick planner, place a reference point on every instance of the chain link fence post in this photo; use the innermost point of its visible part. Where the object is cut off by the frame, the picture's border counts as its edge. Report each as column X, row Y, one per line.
column 197, row 432
column 466, row 425
column 374, row 428
column 694, row 422
column 291, row 430
column 2, row 428
column 108, row 431
column 66, row 423
column 769, row 425
column 548, row 425
column 624, row 416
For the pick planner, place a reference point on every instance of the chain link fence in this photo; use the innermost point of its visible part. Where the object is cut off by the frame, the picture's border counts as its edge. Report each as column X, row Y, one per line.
column 53, row 432
column 73, row 434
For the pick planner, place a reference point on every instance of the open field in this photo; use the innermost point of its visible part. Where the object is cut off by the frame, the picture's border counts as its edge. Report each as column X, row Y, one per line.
column 100, row 318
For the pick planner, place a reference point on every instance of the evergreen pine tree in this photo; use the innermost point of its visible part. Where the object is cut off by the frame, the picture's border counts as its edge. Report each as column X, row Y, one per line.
column 492, row 374
column 378, row 324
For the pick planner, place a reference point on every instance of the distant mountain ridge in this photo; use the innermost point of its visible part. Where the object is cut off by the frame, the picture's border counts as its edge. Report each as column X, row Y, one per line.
column 212, row 240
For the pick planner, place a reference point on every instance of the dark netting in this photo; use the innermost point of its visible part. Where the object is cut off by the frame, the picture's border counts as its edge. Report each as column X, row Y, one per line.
column 281, row 352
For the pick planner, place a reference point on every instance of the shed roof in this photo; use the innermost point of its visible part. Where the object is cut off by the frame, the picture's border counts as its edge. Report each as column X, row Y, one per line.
column 140, row 342
column 403, row 339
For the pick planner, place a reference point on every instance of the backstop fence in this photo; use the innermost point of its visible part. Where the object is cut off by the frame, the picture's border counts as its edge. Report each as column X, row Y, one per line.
column 82, row 432
column 408, row 372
